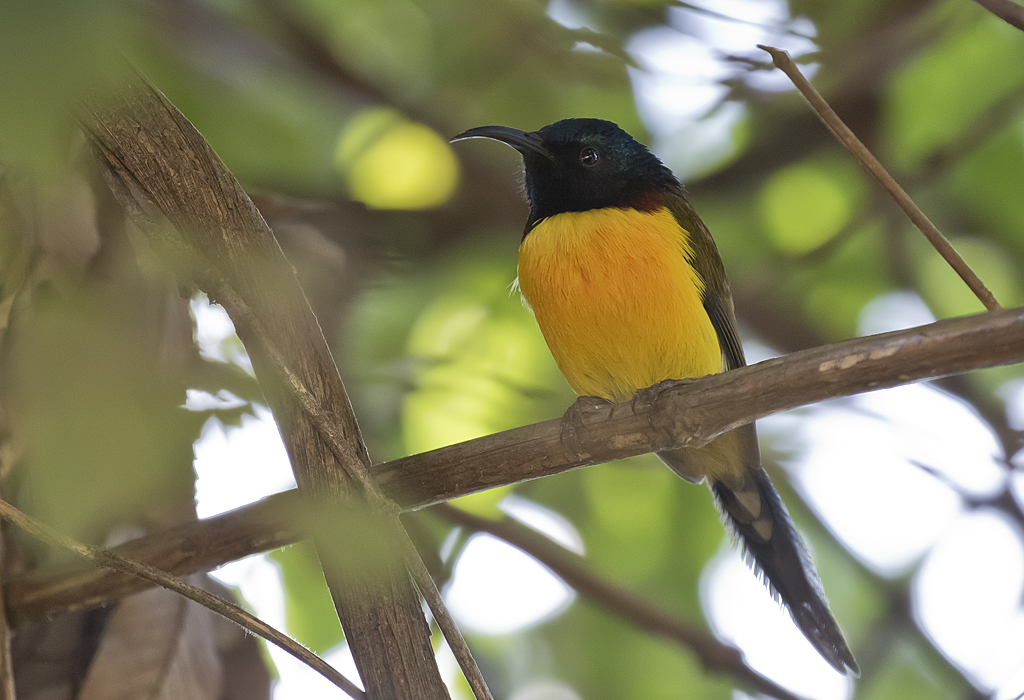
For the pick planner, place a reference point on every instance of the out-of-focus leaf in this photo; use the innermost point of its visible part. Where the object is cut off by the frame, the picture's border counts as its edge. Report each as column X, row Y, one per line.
column 213, row 377
column 629, row 504
column 310, row 613
column 940, row 93
column 603, row 657
column 832, row 292
column 804, row 205
column 156, row 645
column 990, row 182
column 53, row 54
column 949, row 296
column 393, row 163
column 482, row 357
column 109, row 441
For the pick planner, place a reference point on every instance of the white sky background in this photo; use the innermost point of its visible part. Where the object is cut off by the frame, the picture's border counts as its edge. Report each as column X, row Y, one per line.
column 968, row 591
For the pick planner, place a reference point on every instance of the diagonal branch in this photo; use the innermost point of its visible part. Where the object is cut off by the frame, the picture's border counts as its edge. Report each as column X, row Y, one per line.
column 842, row 132
column 106, row 559
column 1006, row 10
column 371, row 491
column 691, row 413
column 715, row 656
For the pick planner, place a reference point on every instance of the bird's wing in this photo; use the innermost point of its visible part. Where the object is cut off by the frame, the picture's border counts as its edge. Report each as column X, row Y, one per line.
column 708, row 264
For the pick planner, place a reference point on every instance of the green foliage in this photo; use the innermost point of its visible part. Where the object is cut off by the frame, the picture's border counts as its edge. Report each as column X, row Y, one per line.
column 309, row 610
column 927, row 109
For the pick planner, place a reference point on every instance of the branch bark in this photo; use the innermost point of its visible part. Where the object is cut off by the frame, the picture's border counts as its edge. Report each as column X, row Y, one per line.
column 1006, row 10
column 691, row 413
column 160, row 167
column 102, row 557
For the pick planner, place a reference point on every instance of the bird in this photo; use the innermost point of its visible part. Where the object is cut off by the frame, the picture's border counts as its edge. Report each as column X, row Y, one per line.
column 629, row 290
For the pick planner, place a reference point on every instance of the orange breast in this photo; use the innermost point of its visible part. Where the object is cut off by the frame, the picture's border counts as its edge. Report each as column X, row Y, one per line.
column 619, row 306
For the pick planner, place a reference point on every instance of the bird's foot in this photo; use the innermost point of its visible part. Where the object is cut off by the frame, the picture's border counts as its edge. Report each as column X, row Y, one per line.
column 643, row 399
column 572, row 421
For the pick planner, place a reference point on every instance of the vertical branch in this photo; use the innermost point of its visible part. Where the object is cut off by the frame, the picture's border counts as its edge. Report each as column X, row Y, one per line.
column 161, row 168
column 6, row 667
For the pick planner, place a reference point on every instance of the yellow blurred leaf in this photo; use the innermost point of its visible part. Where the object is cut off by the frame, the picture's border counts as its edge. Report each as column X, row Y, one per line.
column 392, row 163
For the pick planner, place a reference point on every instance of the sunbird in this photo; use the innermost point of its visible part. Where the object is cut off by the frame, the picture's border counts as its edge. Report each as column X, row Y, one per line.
column 629, row 290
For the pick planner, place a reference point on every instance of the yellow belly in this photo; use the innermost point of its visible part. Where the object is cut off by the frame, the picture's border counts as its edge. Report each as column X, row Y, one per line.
column 619, row 306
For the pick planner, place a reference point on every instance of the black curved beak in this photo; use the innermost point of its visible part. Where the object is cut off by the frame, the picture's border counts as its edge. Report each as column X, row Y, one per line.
column 522, row 141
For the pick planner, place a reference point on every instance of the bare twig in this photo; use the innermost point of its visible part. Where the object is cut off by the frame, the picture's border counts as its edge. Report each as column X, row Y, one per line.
column 831, row 120
column 692, row 413
column 358, row 471
column 1006, row 10
column 107, row 559
column 7, row 690
column 572, row 568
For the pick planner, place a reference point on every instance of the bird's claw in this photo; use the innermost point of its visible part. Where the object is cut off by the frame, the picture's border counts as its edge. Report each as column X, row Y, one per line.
column 643, row 399
column 572, row 421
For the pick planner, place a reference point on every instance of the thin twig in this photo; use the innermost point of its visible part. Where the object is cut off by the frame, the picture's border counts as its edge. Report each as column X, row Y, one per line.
column 7, row 689
column 1006, row 10
column 574, row 571
column 106, row 559
column 842, row 132
column 376, row 498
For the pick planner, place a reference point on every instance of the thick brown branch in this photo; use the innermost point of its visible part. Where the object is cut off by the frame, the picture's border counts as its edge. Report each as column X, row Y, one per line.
column 160, row 168
column 690, row 414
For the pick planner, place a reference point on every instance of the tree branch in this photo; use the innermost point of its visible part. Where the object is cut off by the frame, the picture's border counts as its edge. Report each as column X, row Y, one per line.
column 376, row 499
column 1006, row 10
column 691, row 413
column 158, row 167
column 714, row 655
column 105, row 558
column 842, row 132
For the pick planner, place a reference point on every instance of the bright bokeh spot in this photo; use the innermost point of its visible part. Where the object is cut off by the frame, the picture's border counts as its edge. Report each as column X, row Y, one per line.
column 236, row 466
column 545, row 690
column 803, row 206
column 392, row 163
column 968, row 595
column 893, row 311
column 903, row 438
column 497, row 589
column 742, row 612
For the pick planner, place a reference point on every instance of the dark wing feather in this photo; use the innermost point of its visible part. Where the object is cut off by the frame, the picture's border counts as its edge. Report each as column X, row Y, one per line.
column 708, row 264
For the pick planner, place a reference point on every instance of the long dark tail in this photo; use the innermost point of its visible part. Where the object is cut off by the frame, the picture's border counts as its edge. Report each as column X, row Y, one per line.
column 770, row 541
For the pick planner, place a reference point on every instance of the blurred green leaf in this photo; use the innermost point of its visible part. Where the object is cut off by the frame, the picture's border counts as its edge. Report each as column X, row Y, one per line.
column 949, row 296
column 309, row 610
column 939, row 94
column 805, row 205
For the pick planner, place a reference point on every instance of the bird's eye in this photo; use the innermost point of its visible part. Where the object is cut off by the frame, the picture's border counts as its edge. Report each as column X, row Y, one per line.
column 589, row 157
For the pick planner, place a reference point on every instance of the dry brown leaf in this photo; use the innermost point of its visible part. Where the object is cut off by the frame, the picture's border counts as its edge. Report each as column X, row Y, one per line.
column 156, row 646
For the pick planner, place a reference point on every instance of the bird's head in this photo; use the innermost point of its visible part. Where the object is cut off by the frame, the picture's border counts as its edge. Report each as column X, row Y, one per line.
column 583, row 164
